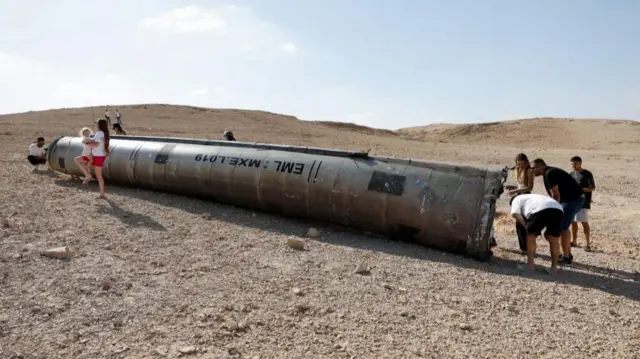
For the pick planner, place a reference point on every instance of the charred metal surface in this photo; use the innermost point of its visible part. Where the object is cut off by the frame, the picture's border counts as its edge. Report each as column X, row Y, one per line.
column 442, row 205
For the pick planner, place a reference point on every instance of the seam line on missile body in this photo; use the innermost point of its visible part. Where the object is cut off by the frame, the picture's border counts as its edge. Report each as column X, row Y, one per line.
column 317, row 169
column 311, row 170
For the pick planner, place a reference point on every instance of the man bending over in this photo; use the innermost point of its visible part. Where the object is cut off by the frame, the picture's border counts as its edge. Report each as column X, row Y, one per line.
column 37, row 153
column 585, row 180
column 566, row 191
column 536, row 212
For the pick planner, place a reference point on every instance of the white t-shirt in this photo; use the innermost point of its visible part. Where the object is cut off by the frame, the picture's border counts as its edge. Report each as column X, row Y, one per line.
column 99, row 150
column 86, row 150
column 34, row 150
column 528, row 204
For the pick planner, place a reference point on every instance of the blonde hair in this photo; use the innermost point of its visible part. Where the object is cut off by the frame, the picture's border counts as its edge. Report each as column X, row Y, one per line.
column 83, row 130
column 523, row 174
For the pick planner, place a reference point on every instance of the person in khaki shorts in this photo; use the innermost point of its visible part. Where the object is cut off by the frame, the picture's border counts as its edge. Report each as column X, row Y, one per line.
column 585, row 179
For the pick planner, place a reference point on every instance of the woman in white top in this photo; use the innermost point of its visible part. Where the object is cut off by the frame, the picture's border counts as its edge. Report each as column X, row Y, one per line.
column 99, row 150
column 524, row 178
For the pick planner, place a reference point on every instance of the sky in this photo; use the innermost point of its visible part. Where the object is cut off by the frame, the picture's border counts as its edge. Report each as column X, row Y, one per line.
column 379, row 63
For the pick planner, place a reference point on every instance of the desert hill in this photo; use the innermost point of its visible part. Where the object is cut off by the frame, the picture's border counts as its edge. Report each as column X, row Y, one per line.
column 252, row 125
column 536, row 132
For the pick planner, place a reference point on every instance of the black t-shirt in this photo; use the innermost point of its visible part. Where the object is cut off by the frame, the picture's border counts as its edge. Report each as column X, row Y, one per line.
column 585, row 179
column 567, row 186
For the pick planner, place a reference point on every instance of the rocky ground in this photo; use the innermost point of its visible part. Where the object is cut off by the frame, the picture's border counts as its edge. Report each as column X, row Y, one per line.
column 153, row 275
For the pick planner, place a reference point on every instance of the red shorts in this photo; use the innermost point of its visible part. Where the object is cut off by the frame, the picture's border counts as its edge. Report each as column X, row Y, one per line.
column 98, row 161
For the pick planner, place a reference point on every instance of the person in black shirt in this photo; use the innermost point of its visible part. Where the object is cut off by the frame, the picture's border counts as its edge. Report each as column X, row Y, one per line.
column 585, row 179
column 564, row 189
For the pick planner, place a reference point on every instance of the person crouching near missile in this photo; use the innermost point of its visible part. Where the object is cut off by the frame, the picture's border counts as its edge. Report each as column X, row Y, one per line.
column 536, row 212
column 86, row 159
column 228, row 135
column 99, row 150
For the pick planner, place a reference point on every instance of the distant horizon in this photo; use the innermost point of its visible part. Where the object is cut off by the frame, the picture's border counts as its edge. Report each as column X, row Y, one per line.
column 99, row 111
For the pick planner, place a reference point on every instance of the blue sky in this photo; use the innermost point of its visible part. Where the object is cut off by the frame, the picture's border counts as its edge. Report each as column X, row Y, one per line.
column 386, row 64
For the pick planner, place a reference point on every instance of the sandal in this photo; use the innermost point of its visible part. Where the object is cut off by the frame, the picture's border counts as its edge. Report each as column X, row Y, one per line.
column 87, row 180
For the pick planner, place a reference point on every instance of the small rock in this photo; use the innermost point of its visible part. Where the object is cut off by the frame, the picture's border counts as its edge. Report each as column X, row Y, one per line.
column 206, row 216
column 295, row 243
column 187, row 350
column 118, row 323
column 408, row 315
column 57, row 253
column 128, row 285
column 106, row 284
column 513, row 309
column 574, row 310
column 297, row 291
column 121, row 350
column 313, row 233
column 363, row 269
column 402, row 290
column 108, row 246
column 6, row 223
column 465, row 326
column 302, row 308
column 233, row 351
column 614, row 313
column 160, row 351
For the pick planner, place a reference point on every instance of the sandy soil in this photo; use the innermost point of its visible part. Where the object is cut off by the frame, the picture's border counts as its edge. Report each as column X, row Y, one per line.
column 152, row 276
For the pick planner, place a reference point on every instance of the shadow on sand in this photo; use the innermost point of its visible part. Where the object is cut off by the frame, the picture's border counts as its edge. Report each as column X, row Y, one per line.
column 612, row 281
column 107, row 206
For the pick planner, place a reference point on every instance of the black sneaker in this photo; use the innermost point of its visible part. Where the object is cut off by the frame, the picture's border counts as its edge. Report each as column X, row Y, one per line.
column 565, row 260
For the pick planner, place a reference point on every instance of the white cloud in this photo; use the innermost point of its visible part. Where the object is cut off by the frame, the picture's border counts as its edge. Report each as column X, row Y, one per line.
column 186, row 19
column 234, row 27
column 289, row 47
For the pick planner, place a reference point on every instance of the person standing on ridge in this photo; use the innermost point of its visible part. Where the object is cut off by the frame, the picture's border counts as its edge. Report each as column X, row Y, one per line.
column 585, row 179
